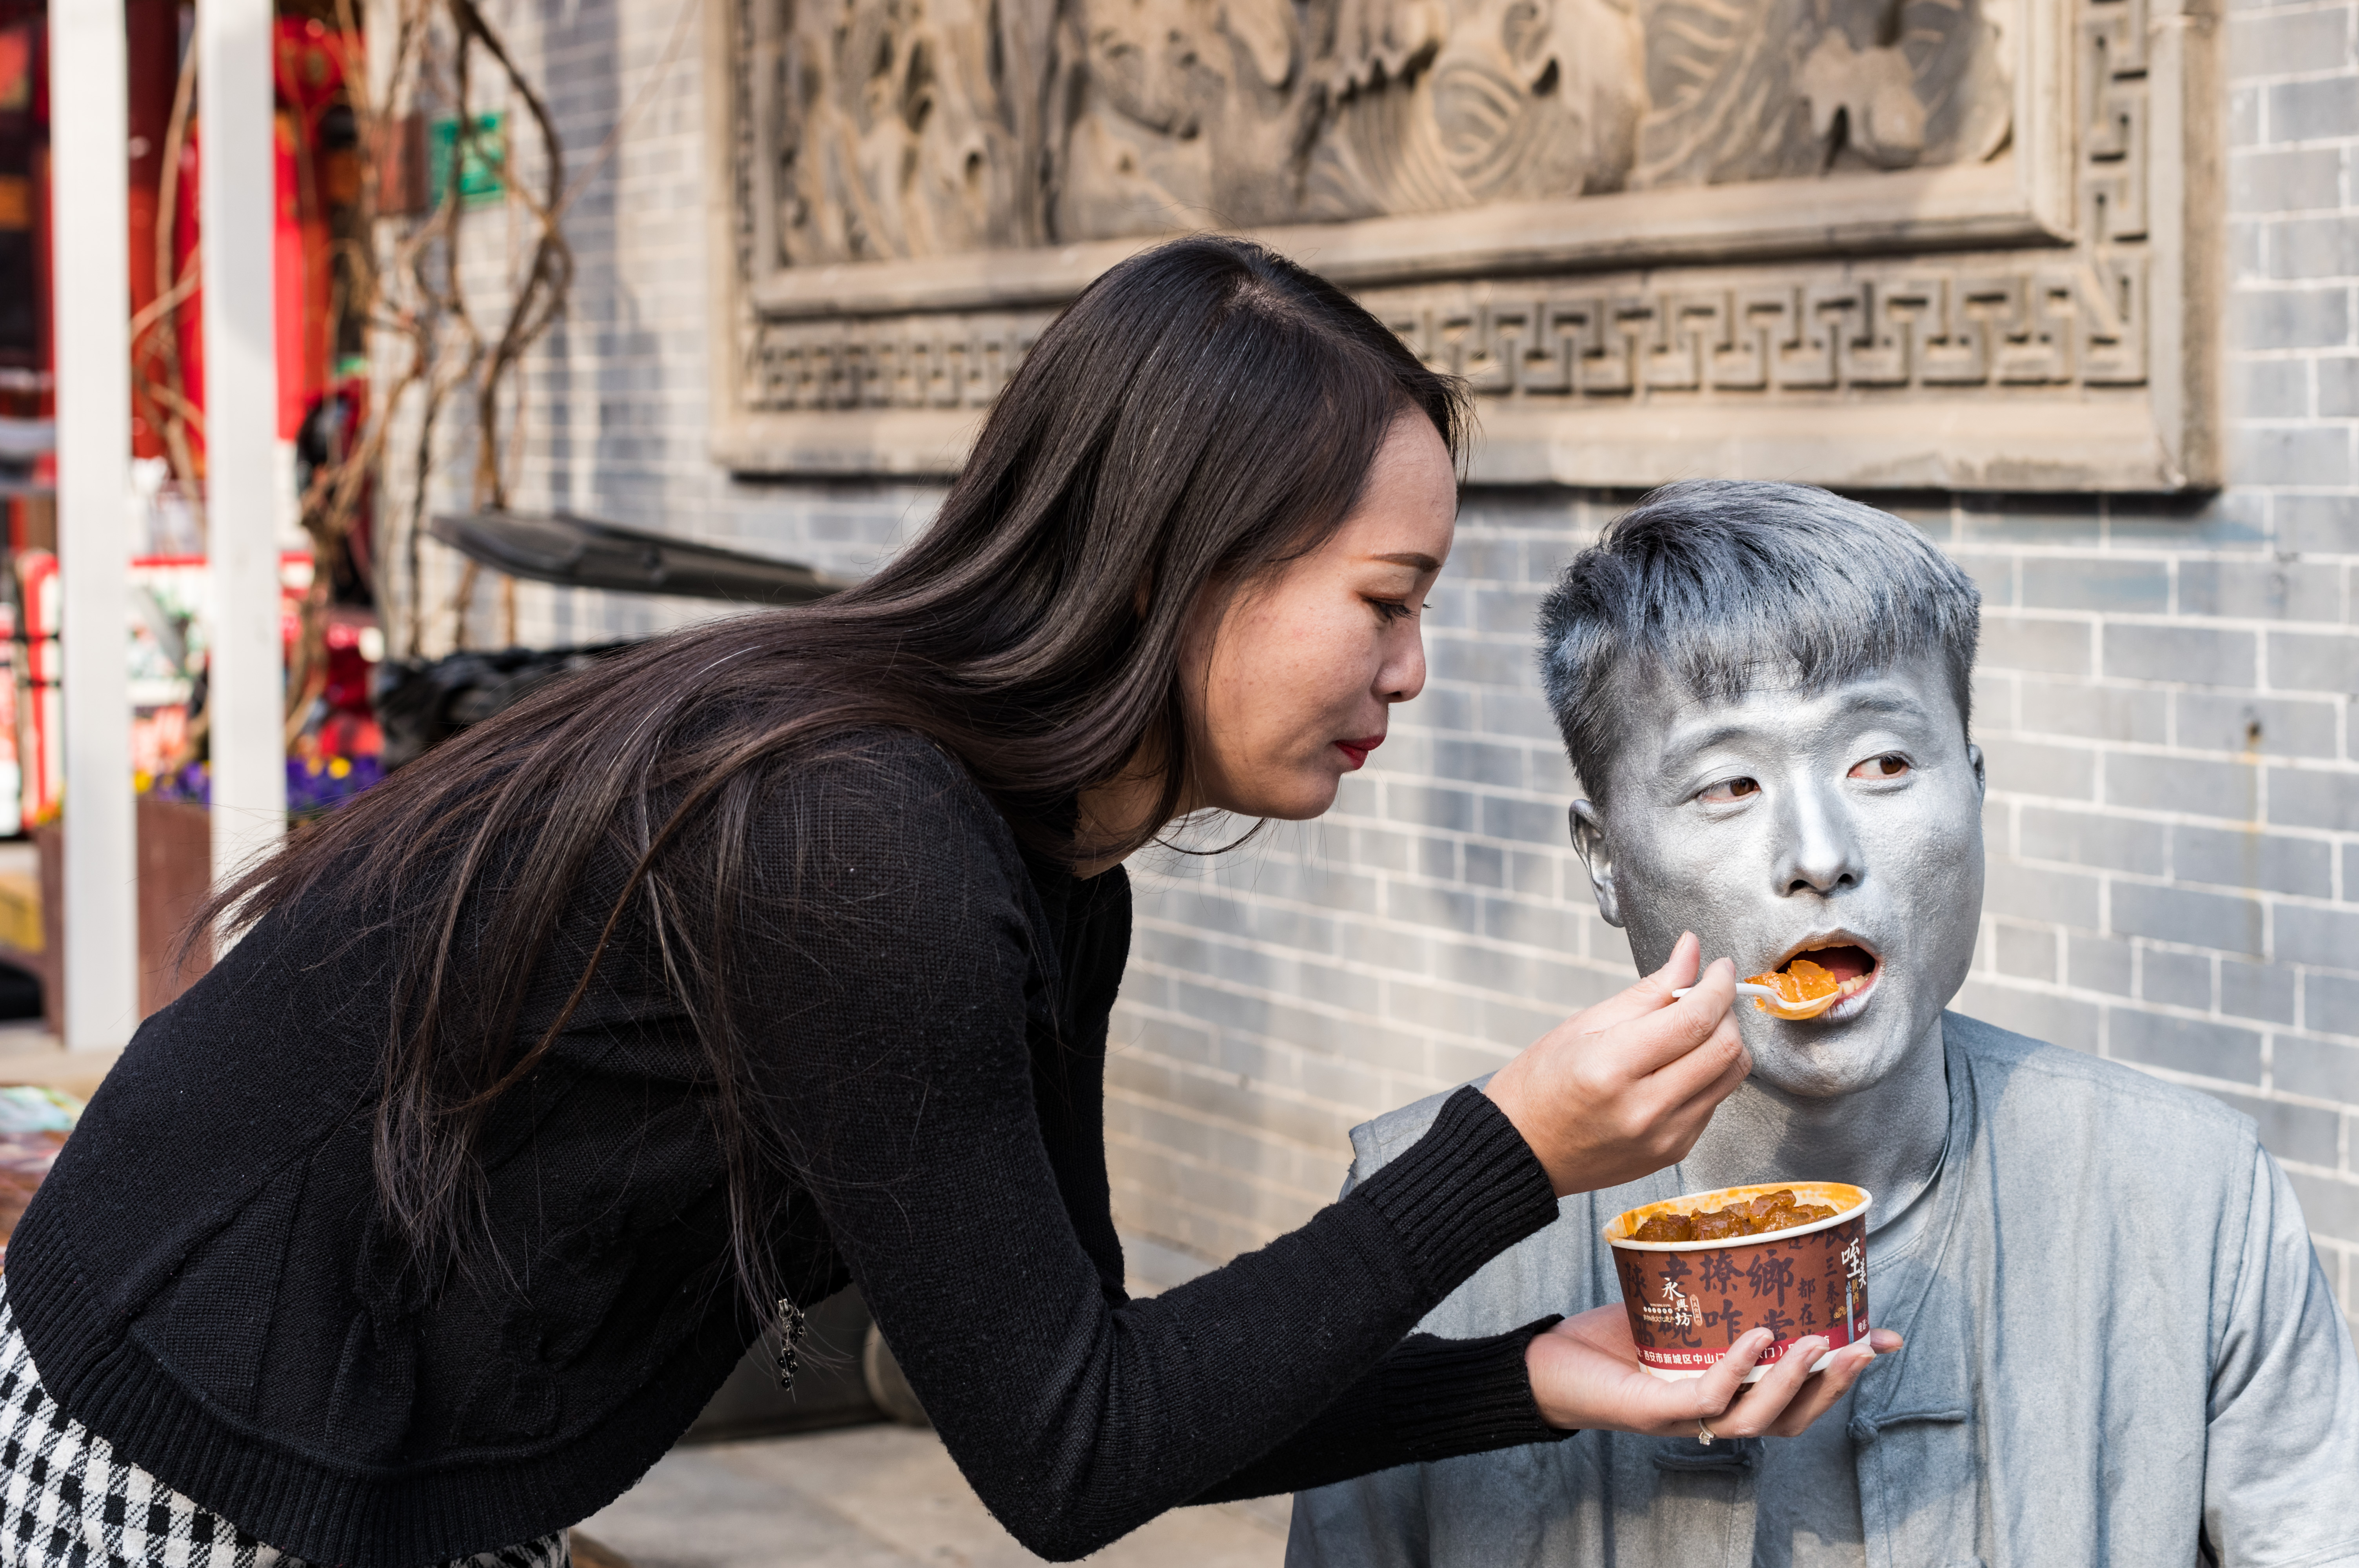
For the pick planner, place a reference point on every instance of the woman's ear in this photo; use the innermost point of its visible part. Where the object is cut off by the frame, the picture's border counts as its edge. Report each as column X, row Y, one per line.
column 1596, row 854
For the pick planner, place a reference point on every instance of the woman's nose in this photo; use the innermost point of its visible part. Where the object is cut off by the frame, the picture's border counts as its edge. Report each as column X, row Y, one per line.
column 1403, row 676
column 1817, row 851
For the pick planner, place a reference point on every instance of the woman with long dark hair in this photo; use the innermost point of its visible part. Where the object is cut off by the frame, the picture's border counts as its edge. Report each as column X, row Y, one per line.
column 778, row 954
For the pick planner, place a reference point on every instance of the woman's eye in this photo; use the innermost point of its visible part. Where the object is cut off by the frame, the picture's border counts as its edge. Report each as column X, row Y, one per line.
column 1890, row 765
column 1393, row 608
column 1727, row 790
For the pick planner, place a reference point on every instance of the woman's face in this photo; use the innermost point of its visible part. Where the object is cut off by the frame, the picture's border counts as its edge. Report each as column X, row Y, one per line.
column 1290, row 680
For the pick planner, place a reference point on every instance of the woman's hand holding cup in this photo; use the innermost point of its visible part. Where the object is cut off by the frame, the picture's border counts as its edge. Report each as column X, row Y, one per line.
column 1585, row 1376
column 1625, row 1087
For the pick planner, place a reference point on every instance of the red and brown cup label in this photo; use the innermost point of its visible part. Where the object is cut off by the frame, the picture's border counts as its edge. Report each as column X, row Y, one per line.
column 1688, row 1305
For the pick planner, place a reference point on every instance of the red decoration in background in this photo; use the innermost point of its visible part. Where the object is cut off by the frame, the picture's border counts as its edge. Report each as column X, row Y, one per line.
column 26, row 356
column 301, row 330
column 350, row 727
column 152, row 35
column 187, row 322
column 311, row 64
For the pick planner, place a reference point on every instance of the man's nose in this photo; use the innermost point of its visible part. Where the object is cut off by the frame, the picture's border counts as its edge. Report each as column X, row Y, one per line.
column 1818, row 851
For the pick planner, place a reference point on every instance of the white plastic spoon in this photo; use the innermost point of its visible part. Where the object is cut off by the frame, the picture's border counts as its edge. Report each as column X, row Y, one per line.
column 1744, row 988
column 1778, row 1007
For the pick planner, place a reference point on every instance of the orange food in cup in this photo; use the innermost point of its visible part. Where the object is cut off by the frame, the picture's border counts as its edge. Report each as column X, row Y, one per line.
column 1771, row 1211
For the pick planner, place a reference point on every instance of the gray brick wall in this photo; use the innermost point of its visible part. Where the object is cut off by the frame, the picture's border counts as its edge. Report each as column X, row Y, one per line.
column 2166, row 699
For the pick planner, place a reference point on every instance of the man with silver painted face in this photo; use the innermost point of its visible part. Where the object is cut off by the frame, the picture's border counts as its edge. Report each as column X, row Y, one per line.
column 2120, row 1348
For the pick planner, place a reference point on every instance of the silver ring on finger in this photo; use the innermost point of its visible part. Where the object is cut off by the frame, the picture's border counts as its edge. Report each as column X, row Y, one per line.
column 1703, row 1433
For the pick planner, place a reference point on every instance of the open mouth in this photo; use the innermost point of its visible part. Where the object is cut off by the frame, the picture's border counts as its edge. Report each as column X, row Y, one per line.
column 1817, row 978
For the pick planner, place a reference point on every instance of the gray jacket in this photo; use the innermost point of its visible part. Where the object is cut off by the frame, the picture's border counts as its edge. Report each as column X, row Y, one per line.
column 2121, row 1350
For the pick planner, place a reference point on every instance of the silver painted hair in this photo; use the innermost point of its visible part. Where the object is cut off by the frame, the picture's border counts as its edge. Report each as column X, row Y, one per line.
column 1723, row 584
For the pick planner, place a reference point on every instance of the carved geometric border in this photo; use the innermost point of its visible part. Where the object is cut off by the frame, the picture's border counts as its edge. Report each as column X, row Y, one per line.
column 2088, row 364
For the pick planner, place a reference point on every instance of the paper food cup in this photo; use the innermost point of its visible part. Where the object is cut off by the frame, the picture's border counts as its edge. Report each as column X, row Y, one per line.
column 1690, row 1301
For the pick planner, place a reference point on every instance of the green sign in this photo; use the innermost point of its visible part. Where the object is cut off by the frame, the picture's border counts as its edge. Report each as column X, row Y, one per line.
column 483, row 165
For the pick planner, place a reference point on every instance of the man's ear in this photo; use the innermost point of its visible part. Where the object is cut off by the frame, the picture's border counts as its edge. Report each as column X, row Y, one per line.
column 1597, row 855
column 1975, row 756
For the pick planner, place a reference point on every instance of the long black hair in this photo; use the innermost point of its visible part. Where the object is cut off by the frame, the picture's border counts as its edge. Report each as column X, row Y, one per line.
column 1203, row 412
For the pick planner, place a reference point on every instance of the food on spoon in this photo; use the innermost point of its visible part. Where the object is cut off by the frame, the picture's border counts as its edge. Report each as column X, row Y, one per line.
column 1804, row 990
column 1779, row 1210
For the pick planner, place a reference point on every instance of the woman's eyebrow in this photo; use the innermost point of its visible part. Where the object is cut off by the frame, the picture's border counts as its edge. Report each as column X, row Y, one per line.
column 1410, row 558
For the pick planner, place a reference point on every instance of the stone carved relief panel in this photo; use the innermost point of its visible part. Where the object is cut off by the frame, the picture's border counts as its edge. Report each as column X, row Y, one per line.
column 1572, row 341
column 1658, row 236
column 904, row 129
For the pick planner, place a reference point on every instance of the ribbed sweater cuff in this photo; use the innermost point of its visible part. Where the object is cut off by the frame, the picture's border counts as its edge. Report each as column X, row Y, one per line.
column 1451, row 1397
column 1464, row 1193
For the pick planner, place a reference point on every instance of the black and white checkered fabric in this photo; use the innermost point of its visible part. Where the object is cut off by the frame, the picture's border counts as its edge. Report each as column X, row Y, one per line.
column 67, row 1502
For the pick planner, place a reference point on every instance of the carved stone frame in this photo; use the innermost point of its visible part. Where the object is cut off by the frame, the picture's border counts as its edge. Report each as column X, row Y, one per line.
column 2044, row 321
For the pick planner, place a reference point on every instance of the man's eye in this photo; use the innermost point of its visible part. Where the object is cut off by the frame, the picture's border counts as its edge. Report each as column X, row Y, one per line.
column 1726, row 790
column 1890, row 765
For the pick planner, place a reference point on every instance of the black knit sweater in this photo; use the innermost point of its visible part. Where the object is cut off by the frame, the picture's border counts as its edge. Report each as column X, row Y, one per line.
column 205, row 1281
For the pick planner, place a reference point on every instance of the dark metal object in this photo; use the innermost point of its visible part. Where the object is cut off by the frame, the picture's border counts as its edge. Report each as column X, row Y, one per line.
column 580, row 552
column 421, row 702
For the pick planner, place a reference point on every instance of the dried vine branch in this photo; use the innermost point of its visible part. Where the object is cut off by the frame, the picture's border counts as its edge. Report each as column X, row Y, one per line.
column 407, row 289
column 548, row 277
column 158, row 380
column 413, row 289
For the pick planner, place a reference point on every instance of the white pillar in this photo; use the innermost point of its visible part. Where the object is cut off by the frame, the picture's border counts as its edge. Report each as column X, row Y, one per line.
column 245, row 694
column 90, row 133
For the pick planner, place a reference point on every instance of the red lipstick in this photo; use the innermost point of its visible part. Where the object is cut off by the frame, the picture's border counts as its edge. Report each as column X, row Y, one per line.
column 1357, row 750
